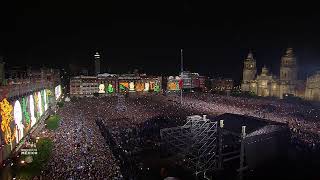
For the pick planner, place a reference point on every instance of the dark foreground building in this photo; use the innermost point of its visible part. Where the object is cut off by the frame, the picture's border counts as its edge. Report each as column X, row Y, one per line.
column 226, row 145
column 249, row 143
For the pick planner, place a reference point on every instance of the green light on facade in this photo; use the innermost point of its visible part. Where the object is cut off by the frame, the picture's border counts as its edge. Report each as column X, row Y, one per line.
column 157, row 88
column 24, row 110
column 110, row 88
column 122, row 87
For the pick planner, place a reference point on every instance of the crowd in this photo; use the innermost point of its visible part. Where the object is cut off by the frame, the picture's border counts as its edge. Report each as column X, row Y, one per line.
column 302, row 118
column 97, row 140
column 79, row 151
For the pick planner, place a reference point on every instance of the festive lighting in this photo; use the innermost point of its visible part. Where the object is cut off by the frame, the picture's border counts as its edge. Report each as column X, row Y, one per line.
column 42, row 101
column 36, row 105
column 157, row 88
column 7, row 118
column 151, row 85
column 18, row 121
column 131, row 86
column 101, row 88
column 110, row 88
column 139, row 86
column 146, row 86
column 123, row 86
column 31, row 106
column 45, row 100
column 173, row 86
column 25, row 112
column 39, row 104
column 57, row 91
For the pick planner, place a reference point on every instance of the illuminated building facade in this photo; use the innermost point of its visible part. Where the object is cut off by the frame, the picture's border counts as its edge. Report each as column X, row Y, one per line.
column 190, row 81
column 312, row 91
column 266, row 84
column 222, row 85
column 110, row 83
column 25, row 101
column 173, row 83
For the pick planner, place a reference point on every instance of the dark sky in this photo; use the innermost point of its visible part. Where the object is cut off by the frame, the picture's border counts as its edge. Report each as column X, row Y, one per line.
column 147, row 35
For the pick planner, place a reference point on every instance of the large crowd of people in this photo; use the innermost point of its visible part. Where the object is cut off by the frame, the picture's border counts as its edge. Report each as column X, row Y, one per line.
column 79, row 150
column 302, row 118
column 97, row 140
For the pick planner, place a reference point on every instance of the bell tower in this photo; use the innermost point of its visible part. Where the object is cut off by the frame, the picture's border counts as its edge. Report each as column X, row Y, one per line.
column 249, row 74
column 288, row 69
column 249, row 68
column 288, row 74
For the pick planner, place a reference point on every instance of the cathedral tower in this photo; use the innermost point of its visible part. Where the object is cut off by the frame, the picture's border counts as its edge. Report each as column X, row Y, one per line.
column 288, row 74
column 249, row 69
column 249, row 73
column 288, row 69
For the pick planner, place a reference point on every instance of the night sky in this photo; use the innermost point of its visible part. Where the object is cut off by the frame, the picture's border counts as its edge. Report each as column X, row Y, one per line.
column 148, row 35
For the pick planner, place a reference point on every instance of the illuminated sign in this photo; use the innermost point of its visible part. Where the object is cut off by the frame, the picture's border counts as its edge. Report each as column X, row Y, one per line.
column 30, row 149
column 18, row 121
column 101, row 89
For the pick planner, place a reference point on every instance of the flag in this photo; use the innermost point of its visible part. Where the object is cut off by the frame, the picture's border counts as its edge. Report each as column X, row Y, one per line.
column 180, row 84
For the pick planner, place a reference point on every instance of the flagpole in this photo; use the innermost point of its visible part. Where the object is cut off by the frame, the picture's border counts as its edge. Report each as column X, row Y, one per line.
column 181, row 88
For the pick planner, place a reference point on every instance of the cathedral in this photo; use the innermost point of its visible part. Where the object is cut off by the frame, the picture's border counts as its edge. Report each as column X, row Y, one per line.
column 265, row 84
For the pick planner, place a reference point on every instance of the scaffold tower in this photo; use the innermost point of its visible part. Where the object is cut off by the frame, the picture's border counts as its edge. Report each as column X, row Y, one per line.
column 195, row 143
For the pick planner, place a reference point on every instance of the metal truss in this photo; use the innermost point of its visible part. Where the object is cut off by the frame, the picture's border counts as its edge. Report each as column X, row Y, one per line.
column 195, row 142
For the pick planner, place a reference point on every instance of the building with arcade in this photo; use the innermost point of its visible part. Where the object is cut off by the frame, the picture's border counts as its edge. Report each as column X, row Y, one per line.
column 26, row 101
column 188, row 82
column 108, row 84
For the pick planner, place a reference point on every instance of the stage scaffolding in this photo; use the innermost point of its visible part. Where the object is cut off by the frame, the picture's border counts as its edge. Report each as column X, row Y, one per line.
column 195, row 143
